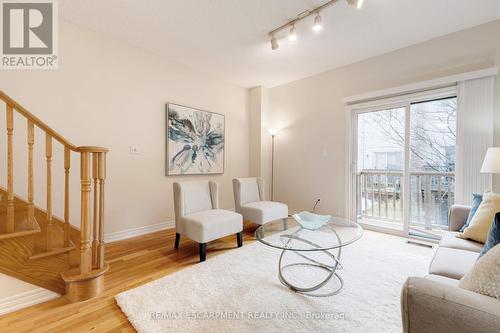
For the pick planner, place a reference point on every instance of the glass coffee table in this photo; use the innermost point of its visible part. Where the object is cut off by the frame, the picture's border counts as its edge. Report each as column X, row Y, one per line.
column 310, row 259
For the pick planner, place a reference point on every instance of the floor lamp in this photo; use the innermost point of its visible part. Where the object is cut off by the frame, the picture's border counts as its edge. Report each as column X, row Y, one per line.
column 491, row 163
column 273, row 132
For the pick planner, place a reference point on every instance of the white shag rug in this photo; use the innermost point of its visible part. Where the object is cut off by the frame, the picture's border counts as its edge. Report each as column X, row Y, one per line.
column 239, row 291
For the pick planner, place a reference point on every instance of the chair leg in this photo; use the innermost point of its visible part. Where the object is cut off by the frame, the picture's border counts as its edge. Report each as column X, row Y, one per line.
column 177, row 240
column 203, row 252
column 285, row 223
column 239, row 238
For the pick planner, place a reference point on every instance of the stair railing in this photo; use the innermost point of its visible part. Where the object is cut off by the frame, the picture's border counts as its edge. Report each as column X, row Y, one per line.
column 92, row 177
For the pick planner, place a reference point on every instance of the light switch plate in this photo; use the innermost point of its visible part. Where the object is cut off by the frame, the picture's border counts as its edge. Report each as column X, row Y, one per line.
column 133, row 150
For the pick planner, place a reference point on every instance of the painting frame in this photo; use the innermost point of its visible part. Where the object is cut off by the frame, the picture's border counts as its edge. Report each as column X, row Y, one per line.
column 169, row 171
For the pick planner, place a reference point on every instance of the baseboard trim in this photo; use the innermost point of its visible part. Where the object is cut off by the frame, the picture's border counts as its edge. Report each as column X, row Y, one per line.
column 26, row 299
column 135, row 232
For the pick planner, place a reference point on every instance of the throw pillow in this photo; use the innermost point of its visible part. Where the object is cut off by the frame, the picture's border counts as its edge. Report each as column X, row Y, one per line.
column 493, row 236
column 484, row 277
column 483, row 218
column 477, row 198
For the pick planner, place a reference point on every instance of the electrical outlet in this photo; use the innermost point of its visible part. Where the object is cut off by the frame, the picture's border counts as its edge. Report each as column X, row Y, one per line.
column 133, row 150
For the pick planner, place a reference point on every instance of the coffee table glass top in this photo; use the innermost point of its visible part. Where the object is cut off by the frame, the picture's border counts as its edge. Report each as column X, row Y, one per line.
column 336, row 233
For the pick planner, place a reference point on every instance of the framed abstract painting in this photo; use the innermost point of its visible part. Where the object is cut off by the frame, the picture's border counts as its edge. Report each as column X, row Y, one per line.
column 195, row 141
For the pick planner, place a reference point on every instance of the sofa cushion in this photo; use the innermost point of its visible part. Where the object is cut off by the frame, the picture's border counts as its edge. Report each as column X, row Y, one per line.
column 449, row 239
column 493, row 235
column 477, row 198
column 208, row 225
column 484, row 277
column 261, row 212
column 443, row 279
column 482, row 220
column 457, row 217
column 452, row 263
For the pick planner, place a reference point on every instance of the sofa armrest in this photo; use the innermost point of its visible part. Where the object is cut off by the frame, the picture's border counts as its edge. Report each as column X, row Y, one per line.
column 458, row 216
column 428, row 306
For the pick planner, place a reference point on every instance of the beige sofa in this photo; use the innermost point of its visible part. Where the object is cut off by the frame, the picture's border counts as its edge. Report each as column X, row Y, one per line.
column 435, row 303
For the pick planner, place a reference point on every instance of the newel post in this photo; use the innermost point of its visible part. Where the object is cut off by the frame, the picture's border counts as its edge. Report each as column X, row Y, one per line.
column 87, row 281
column 85, row 243
column 102, row 178
column 95, row 210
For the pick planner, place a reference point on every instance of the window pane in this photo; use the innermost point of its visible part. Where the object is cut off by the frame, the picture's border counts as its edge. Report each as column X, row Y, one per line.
column 380, row 167
column 432, row 162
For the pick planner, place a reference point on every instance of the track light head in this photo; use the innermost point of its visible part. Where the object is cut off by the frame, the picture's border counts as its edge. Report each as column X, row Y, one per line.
column 292, row 35
column 317, row 23
column 357, row 3
column 317, row 26
column 274, row 43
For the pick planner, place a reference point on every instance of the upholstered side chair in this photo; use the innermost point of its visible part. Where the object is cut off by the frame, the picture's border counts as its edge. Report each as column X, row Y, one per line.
column 250, row 202
column 198, row 217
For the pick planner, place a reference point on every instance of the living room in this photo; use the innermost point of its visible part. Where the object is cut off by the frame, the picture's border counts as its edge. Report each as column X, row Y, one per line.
column 306, row 165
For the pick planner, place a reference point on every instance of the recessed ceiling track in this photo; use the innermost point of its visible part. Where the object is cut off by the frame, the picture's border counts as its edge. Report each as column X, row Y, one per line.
column 317, row 25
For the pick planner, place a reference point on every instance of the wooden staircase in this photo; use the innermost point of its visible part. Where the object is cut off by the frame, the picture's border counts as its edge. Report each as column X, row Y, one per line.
column 38, row 247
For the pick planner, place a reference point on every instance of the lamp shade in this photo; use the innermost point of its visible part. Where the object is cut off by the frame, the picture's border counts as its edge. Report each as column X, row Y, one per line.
column 491, row 163
column 273, row 131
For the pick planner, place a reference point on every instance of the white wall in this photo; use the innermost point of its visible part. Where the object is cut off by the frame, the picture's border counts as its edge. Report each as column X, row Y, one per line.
column 310, row 157
column 109, row 94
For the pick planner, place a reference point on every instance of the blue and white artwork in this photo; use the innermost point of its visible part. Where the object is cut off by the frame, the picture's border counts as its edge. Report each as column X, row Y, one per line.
column 195, row 141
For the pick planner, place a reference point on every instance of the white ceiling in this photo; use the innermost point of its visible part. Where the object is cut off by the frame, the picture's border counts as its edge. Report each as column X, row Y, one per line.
column 228, row 38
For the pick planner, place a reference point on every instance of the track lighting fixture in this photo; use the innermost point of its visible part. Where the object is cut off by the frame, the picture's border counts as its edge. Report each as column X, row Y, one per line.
column 317, row 25
column 357, row 3
column 292, row 35
column 274, row 43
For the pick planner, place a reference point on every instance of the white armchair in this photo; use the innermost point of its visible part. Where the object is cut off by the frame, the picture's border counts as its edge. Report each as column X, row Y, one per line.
column 250, row 202
column 197, row 215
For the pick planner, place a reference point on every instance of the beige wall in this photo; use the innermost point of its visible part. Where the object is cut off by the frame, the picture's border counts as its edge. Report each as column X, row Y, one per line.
column 16, row 294
column 310, row 157
column 11, row 286
column 106, row 93
column 260, row 154
column 255, row 127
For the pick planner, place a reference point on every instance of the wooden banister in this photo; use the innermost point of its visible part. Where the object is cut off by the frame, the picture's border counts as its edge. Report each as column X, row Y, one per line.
column 86, row 280
column 91, row 149
column 10, row 169
column 67, row 165
column 11, row 103
column 40, row 124
column 31, row 205
column 48, row 156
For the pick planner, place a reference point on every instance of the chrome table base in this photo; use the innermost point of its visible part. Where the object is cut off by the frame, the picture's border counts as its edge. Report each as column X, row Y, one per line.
column 310, row 262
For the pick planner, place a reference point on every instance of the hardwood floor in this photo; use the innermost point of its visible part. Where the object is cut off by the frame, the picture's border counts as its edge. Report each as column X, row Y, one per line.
column 133, row 262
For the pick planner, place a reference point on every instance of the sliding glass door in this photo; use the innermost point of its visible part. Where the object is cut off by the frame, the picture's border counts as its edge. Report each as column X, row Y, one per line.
column 380, row 162
column 404, row 157
column 433, row 138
